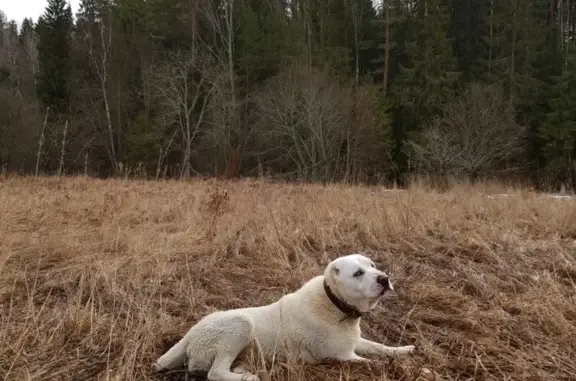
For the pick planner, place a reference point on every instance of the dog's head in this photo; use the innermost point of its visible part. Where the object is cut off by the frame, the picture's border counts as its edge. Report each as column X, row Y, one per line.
column 355, row 279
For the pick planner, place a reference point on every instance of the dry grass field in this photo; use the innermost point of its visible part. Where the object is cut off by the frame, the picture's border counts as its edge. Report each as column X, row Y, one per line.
column 99, row 277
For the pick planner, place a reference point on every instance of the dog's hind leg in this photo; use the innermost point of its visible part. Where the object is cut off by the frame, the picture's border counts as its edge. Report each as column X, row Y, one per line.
column 235, row 334
column 220, row 370
column 175, row 357
column 240, row 369
column 249, row 376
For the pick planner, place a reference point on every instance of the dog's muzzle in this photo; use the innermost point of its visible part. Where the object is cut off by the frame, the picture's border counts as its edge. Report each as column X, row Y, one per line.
column 384, row 281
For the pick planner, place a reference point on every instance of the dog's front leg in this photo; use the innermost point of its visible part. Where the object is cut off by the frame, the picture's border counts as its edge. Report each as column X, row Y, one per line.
column 367, row 347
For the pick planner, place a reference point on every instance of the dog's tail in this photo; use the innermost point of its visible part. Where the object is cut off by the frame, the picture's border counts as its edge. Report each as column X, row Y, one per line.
column 174, row 358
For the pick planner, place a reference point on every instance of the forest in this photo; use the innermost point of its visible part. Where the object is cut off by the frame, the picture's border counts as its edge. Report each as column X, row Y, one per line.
column 311, row 90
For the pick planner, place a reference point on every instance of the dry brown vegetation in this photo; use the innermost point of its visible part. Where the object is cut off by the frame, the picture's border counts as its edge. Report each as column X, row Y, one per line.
column 99, row 277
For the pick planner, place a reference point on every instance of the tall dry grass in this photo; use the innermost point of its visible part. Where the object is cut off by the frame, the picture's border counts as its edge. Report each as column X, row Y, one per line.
column 98, row 278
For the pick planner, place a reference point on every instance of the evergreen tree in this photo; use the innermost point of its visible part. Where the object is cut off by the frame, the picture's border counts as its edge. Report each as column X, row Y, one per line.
column 169, row 24
column 312, row 31
column 558, row 132
column 54, row 31
column 468, row 29
column 429, row 79
column 12, row 30
column 262, row 41
column 27, row 28
column 392, row 30
column 361, row 35
column 333, row 28
column 4, row 69
column 546, row 67
column 88, row 11
column 512, row 44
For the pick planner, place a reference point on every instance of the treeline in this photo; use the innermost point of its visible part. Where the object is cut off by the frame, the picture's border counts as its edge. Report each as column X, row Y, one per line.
column 318, row 90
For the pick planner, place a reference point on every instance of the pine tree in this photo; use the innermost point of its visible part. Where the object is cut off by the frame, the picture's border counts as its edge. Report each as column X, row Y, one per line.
column 392, row 29
column 88, row 11
column 333, row 29
column 468, row 29
column 316, row 30
column 12, row 30
column 429, row 79
column 54, row 31
column 546, row 67
column 27, row 29
column 4, row 62
column 512, row 45
column 361, row 37
column 558, row 132
column 262, row 41
column 10, row 55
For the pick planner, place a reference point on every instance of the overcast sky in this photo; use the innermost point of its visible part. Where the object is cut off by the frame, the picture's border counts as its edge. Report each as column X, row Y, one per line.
column 19, row 9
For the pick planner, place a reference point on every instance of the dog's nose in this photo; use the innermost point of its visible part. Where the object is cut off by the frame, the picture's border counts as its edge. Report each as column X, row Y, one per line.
column 383, row 281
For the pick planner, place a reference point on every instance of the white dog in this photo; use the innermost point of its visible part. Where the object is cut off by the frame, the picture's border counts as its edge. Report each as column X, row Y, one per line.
column 320, row 321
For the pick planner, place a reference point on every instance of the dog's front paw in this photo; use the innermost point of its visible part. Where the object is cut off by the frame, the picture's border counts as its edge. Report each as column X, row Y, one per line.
column 250, row 377
column 157, row 367
column 351, row 357
column 246, row 375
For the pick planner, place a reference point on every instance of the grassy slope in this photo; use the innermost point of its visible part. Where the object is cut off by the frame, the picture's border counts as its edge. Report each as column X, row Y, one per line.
column 97, row 277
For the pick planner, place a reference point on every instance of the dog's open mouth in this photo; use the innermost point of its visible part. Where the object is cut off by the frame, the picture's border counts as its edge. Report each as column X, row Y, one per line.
column 386, row 288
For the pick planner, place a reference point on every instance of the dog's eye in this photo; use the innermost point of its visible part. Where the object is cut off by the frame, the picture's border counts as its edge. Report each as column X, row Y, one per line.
column 373, row 265
column 358, row 273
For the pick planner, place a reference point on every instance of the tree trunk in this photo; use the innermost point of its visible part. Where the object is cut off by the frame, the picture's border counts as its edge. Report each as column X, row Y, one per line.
column 490, row 47
column 355, row 17
column 512, row 66
column 185, row 173
column 386, row 49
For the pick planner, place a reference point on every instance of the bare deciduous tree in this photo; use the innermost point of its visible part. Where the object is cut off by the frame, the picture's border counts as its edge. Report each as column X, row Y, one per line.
column 368, row 144
column 302, row 117
column 315, row 129
column 19, row 121
column 30, row 53
column 182, row 87
column 475, row 135
column 97, row 45
column 224, row 27
column 226, row 133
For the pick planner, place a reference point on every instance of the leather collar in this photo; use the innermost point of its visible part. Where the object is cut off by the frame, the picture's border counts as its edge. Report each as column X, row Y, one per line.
column 349, row 311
